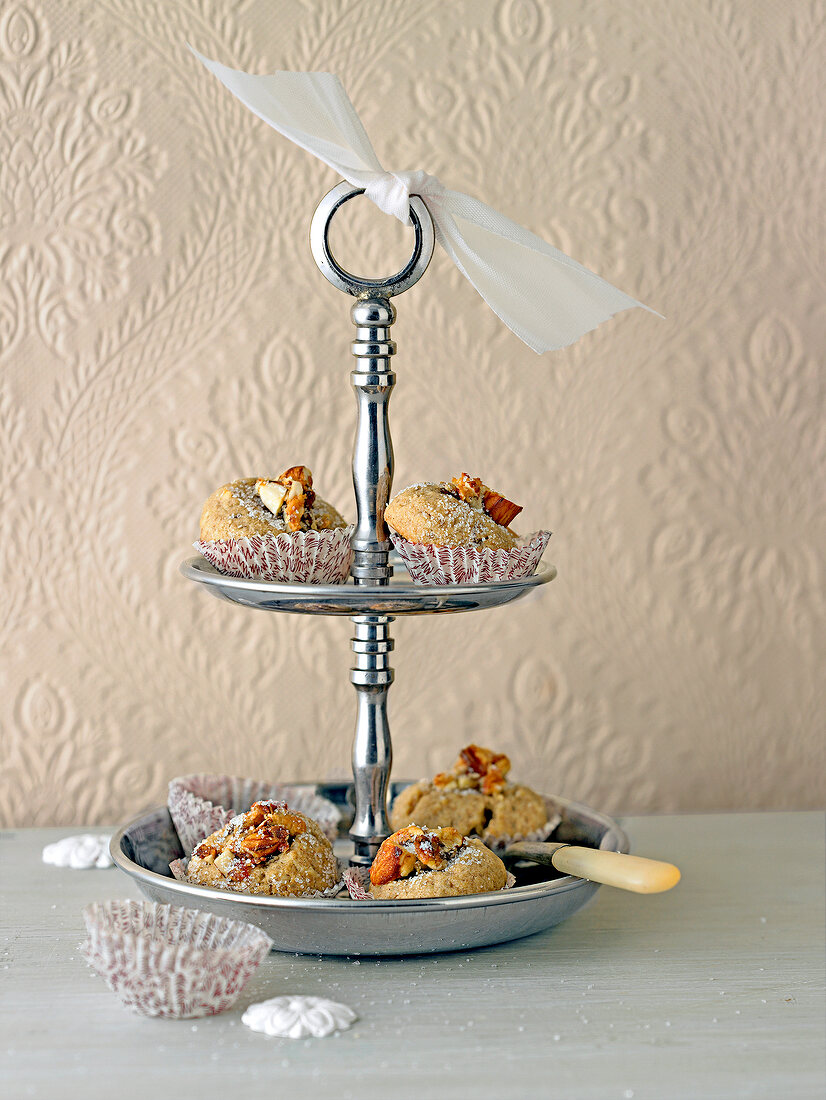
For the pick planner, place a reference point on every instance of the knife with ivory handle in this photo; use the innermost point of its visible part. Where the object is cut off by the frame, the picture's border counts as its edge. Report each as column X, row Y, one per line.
column 626, row 872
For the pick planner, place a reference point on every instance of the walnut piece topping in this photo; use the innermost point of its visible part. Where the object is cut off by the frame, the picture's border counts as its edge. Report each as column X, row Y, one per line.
column 272, row 813
column 387, row 866
column 224, row 861
column 271, row 493
column 411, row 850
column 267, row 840
column 291, row 495
column 468, row 489
column 475, row 769
column 429, row 851
column 205, row 851
column 266, row 829
column 444, row 780
column 297, row 473
column 481, row 498
column 479, row 760
column 499, row 508
column 493, row 780
column 450, row 838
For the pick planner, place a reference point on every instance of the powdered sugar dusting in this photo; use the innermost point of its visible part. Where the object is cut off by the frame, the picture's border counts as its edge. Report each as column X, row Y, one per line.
column 439, row 511
column 244, row 494
column 357, row 879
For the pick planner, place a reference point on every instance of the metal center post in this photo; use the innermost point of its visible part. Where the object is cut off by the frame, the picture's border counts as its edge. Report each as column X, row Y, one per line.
column 373, row 380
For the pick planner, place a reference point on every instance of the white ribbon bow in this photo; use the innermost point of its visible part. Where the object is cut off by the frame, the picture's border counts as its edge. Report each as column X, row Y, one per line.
column 545, row 297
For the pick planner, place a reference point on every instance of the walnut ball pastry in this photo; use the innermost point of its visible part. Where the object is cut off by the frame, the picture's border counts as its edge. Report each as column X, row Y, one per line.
column 264, row 506
column 458, row 532
column 275, row 530
column 474, row 797
column 268, row 850
column 439, row 863
column 461, row 512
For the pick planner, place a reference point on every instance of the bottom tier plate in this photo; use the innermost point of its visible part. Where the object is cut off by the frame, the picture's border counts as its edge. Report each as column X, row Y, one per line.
column 339, row 926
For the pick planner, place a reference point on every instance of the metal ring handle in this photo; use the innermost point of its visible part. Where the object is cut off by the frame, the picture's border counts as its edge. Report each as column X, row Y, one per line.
column 353, row 284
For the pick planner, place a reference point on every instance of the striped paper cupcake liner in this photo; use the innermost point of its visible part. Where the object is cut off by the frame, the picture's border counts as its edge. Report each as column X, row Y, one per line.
column 201, row 804
column 302, row 557
column 428, row 564
column 165, row 960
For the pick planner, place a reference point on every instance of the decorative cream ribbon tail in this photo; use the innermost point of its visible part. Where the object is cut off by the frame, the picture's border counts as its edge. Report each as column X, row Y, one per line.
column 545, row 297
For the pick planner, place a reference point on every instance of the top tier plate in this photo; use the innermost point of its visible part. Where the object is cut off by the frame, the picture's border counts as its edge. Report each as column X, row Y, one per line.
column 400, row 597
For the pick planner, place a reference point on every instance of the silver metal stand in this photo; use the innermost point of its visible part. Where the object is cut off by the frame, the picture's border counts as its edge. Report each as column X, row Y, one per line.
column 373, row 599
column 372, row 748
column 373, row 381
column 376, row 596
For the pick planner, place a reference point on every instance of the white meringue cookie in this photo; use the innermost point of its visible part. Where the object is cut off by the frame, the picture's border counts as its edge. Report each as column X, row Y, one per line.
column 299, row 1017
column 79, row 852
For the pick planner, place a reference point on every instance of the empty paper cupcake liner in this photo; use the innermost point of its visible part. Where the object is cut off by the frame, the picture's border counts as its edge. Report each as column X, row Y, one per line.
column 201, row 804
column 301, row 557
column 357, row 881
column 429, row 564
column 178, row 868
column 164, row 960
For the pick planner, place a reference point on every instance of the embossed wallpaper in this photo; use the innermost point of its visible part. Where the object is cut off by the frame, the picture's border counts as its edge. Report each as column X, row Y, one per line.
column 163, row 329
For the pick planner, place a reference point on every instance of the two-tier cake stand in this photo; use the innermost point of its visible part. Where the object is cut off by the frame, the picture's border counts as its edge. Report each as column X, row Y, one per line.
column 375, row 597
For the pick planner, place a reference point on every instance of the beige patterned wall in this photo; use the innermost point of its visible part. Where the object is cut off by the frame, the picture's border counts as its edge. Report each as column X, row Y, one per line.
column 163, row 329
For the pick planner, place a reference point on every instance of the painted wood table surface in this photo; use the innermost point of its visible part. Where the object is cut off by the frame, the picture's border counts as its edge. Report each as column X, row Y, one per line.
column 715, row 989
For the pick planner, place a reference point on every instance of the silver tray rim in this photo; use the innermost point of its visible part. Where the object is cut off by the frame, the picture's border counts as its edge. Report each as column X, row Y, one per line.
column 353, row 599
column 349, row 905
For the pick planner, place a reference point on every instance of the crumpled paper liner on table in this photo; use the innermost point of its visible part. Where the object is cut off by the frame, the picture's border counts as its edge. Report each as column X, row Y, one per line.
column 166, row 960
column 429, row 564
column 300, row 557
column 80, row 852
column 201, row 804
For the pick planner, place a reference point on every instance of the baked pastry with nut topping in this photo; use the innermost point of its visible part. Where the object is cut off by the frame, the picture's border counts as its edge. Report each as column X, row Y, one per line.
column 474, row 797
column 439, row 863
column 265, row 506
column 268, row 850
column 461, row 512
column 275, row 530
